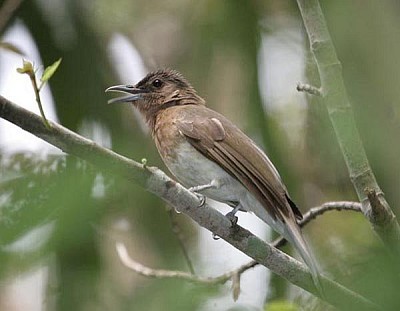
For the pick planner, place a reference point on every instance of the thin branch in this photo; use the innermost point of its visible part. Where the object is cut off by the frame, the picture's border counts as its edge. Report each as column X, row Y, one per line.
column 7, row 10
column 314, row 212
column 307, row 88
column 157, row 273
column 178, row 233
column 342, row 119
column 233, row 275
column 162, row 274
column 184, row 201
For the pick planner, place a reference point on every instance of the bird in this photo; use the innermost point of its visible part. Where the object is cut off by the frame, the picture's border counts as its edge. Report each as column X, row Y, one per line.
column 211, row 156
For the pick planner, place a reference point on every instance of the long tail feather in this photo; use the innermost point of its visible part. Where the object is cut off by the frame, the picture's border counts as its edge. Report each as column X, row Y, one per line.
column 295, row 237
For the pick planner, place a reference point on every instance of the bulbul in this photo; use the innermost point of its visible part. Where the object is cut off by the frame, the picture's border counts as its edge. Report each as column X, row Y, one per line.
column 209, row 154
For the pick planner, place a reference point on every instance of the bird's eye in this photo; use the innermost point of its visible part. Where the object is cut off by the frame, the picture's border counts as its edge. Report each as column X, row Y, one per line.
column 157, row 83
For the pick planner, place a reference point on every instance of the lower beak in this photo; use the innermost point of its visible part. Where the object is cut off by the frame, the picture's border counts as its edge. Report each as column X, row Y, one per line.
column 133, row 93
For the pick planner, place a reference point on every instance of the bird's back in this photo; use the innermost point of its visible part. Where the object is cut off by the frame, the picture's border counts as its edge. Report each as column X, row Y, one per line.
column 219, row 140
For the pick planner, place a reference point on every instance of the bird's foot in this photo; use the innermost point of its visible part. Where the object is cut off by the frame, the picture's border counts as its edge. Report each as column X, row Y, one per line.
column 214, row 184
column 215, row 237
column 201, row 197
column 231, row 215
column 232, row 218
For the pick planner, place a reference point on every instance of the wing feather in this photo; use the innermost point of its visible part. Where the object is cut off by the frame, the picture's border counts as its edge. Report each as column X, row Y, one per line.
column 219, row 140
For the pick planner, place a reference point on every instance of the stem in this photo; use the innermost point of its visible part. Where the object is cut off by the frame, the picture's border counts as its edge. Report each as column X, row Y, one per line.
column 342, row 118
column 178, row 233
column 37, row 95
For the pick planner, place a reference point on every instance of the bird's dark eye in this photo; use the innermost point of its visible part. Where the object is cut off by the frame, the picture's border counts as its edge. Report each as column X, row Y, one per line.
column 157, row 83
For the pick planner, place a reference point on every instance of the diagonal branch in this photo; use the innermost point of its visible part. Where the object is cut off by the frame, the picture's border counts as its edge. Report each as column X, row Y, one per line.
column 341, row 115
column 157, row 182
column 233, row 275
column 7, row 10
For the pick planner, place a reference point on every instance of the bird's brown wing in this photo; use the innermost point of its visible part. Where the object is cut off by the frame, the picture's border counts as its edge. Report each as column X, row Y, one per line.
column 222, row 142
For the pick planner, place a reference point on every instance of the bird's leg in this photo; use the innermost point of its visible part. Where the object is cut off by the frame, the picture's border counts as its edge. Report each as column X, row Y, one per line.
column 231, row 215
column 214, row 184
column 201, row 197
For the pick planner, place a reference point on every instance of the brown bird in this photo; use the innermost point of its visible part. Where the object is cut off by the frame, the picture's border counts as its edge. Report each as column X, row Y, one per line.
column 209, row 154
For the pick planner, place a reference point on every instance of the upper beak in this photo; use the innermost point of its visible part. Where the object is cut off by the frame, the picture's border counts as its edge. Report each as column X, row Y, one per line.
column 133, row 93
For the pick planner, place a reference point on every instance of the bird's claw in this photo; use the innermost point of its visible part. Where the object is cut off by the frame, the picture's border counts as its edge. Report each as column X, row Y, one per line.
column 232, row 218
column 201, row 197
column 215, row 237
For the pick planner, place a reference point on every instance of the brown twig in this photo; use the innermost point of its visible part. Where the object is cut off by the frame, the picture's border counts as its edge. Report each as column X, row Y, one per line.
column 307, row 88
column 161, row 274
column 319, row 210
column 178, row 233
column 7, row 10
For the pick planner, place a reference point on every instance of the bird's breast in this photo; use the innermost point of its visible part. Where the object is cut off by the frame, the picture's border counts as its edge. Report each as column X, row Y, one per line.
column 189, row 166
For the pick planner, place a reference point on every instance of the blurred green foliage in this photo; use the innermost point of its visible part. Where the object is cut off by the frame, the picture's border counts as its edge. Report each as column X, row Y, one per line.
column 280, row 306
column 216, row 44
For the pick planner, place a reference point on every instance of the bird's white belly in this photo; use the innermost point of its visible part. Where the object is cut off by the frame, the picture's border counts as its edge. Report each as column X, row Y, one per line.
column 193, row 169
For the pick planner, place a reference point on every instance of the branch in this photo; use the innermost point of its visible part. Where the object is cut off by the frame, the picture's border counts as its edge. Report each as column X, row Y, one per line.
column 342, row 119
column 233, row 275
column 314, row 212
column 158, row 273
column 178, row 233
column 184, row 201
column 307, row 88
column 7, row 10
column 162, row 274
column 137, row 267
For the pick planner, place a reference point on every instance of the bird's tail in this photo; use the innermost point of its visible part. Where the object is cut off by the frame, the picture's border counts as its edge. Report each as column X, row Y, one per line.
column 295, row 237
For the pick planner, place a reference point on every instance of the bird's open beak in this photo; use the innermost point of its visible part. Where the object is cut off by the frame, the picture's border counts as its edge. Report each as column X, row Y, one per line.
column 133, row 93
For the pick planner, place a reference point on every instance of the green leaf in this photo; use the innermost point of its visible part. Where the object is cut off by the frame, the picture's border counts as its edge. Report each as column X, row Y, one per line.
column 27, row 67
column 49, row 71
column 11, row 47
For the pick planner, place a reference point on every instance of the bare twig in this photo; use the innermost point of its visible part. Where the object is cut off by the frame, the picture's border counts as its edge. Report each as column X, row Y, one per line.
column 233, row 275
column 319, row 210
column 330, row 206
column 161, row 274
column 342, row 119
column 178, row 233
column 7, row 10
column 184, row 201
column 307, row 88
column 236, row 286
column 377, row 209
column 157, row 273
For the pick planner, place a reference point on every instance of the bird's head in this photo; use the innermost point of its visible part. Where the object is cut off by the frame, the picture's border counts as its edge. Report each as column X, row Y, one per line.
column 157, row 91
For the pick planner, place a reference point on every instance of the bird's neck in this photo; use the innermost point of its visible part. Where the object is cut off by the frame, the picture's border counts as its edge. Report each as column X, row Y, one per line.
column 151, row 112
